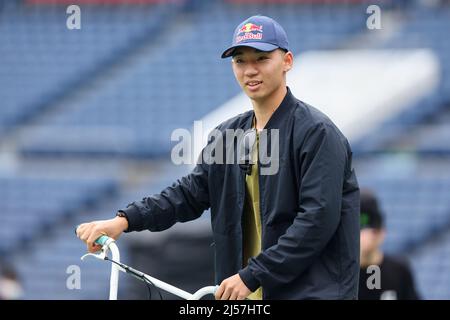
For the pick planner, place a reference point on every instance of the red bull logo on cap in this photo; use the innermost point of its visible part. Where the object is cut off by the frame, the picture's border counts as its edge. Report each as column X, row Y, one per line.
column 248, row 30
column 248, row 27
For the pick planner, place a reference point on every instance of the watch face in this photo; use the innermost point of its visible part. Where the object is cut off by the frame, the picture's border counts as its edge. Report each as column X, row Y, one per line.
column 121, row 214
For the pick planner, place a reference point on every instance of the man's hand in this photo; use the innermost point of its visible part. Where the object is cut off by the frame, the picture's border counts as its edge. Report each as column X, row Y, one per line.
column 89, row 232
column 232, row 288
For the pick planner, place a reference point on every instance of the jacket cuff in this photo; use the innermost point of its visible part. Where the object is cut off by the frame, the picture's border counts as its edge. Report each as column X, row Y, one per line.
column 249, row 280
column 134, row 217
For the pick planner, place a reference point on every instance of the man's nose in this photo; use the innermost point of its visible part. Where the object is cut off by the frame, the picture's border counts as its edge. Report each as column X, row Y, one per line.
column 250, row 70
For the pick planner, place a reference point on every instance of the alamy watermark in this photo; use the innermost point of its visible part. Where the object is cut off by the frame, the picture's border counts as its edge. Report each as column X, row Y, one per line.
column 230, row 146
column 374, row 280
column 73, row 21
column 73, row 281
column 373, row 22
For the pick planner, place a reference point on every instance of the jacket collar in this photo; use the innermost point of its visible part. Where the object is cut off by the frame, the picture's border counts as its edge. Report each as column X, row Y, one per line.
column 279, row 115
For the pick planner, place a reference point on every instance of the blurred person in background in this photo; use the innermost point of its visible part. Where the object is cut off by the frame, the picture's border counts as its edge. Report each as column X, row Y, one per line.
column 10, row 286
column 289, row 234
column 395, row 277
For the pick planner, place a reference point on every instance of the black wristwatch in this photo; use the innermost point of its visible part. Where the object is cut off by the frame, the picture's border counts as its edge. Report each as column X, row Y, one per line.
column 124, row 215
column 121, row 214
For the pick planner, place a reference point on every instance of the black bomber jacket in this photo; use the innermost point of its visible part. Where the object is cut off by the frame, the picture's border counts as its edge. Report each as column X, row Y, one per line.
column 309, row 208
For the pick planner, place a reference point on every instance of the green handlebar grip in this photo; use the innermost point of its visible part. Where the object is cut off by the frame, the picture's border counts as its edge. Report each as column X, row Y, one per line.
column 102, row 240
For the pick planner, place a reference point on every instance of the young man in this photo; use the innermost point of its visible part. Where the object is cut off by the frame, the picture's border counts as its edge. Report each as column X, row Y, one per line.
column 286, row 233
column 395, row 277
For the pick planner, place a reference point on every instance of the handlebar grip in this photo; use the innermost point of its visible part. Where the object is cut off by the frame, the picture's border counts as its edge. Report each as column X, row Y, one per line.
column 101, row 240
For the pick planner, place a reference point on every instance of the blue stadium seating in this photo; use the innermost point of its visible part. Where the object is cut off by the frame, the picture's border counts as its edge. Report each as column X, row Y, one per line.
column 172, row 85
column 431, row 263
column 415, row 208
column 44, row 270
column 423, row 28
column 43, row 267
column 36, row 42
column 30, row 205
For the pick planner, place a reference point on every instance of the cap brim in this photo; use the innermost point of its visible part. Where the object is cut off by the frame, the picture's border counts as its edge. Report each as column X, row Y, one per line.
column 257, row 45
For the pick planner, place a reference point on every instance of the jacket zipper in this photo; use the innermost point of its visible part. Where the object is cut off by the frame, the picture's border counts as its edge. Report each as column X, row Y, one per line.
column 244, row 192
column 259, row 191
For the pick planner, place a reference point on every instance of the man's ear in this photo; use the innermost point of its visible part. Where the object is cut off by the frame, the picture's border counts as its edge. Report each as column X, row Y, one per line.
column 288, row 61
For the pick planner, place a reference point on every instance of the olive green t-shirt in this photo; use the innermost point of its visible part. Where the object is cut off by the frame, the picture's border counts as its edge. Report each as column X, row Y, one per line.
column 251, row 228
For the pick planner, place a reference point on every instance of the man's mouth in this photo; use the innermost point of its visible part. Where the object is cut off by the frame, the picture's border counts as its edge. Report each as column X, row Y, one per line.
column 253, row 84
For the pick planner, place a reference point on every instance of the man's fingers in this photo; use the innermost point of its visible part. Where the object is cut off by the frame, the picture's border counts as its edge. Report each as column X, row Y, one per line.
column 88, row 234
column 93, row 248
column 94, row 235
column 80, row 229
column 219, row 291
column 85, row 233
column 226, row 294
column 234, row 295
column 232, row 288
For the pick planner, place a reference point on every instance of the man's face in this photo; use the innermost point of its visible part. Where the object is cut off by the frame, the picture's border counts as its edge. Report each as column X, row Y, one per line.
column 261, row 73
column 370, row 240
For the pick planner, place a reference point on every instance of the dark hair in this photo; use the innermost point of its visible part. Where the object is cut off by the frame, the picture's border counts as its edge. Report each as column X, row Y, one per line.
column 371, row 215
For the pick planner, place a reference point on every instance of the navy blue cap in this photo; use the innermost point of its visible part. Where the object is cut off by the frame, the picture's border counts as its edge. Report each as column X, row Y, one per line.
column 259, row 32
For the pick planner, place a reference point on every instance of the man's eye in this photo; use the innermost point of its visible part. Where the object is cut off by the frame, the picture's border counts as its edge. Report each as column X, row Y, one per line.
column 262, row 58
column 238, row 61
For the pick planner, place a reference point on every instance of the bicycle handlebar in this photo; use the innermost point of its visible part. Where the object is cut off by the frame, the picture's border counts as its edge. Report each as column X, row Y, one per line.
column 108, row 243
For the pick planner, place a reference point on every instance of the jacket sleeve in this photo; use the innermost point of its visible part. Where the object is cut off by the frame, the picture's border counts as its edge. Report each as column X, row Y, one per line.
column 185, row 200
column 323, row 160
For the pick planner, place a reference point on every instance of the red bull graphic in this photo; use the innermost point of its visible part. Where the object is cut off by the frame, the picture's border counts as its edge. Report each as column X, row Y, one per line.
column 248, row 27
column 248, row 31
